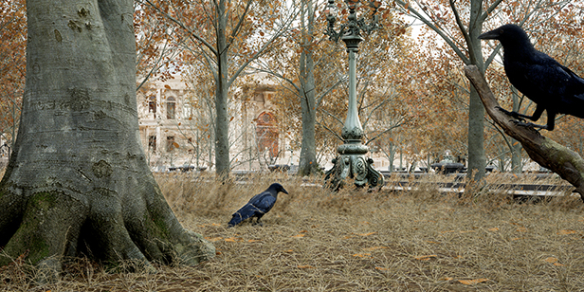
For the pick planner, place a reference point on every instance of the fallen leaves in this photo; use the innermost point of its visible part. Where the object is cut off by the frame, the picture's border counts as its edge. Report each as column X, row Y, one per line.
column 366, row 234
column 234, row 239
column 374, row 248
column 212, row 224
column 305, row 267
column 567, row 232
column 553, row 261
column 466, row 282
column 230, row 239
column 298, row 235
column 473, row 282
column 425, row 257
column 213, row 239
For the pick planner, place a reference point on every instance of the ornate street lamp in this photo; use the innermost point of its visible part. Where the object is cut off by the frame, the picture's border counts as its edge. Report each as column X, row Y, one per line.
column 351, row 161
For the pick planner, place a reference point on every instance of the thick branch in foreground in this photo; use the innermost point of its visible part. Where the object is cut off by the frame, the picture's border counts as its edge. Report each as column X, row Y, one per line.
column 548, row 153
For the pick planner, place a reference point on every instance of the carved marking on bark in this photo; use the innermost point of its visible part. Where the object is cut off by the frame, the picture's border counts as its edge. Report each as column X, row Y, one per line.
column 74, row 25
column 83, row 12
column 58, row 36
column 102, row 169
column 79, row 99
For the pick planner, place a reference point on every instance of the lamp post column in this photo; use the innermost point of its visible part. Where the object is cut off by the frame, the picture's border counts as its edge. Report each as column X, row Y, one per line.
column 351, row 161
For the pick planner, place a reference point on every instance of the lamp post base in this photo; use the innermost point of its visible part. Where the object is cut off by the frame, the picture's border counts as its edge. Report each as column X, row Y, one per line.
column 351, row 163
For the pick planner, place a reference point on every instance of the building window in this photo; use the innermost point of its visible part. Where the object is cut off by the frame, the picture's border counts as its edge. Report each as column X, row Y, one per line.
column 267, row 134
column 188, row 111
column 152, row 143
column 170, row 144
column 152, row 105
column 170, row 108
column 191, row 145
column 259, row 97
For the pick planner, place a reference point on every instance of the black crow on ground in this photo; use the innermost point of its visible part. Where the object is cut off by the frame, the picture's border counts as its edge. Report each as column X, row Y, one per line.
column 553, row 87
column 258, row 205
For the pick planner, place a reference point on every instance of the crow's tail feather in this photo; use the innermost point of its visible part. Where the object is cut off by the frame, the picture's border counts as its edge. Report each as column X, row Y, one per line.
column 242, row 214
column 235, row 220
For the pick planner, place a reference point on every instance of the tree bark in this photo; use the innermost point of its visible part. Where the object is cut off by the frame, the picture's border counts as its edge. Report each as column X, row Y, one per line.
column 307, row 93
column 77, row 182
column 476, row 110
column 548, row 153
column 222, row 162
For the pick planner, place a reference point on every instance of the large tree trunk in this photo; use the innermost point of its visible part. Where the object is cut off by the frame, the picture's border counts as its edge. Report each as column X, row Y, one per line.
column 78, row 182
column 548, row 153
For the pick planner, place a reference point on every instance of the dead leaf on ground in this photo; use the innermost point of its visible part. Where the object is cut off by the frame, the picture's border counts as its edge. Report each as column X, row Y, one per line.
column 567, row 232
column 213, row 239
column 234, row 239
column 298, row 235
column 550, row 260
column 305, row 267
column 374, row 248
column 425, row 257
column 473, row 282
column 362, row 255
column 553, row 260
column 467, row 231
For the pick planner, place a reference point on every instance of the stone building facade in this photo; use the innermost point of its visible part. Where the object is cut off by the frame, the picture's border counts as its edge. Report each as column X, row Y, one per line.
column 176, row 128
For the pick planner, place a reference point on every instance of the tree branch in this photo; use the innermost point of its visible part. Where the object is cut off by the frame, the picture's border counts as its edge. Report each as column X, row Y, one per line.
column 548, row 153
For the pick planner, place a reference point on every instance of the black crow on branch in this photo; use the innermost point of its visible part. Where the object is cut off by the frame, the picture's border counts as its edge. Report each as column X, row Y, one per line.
column 258, row 205
column 553, row 87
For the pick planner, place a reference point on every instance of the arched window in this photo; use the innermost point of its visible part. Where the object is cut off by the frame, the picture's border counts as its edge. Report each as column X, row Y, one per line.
column 170, row 108
column 267, row 133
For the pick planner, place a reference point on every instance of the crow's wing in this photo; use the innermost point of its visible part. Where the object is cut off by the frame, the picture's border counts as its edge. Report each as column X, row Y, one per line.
column 265, row 203
column 544, row 77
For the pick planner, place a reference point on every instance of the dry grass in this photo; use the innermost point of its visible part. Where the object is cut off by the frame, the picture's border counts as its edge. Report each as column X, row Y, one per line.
column 314, row 240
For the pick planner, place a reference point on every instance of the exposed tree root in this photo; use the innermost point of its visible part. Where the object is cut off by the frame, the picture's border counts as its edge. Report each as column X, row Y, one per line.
column 128, row 231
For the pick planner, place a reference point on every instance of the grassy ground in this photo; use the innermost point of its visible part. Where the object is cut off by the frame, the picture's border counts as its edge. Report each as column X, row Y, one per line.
column 314, row 240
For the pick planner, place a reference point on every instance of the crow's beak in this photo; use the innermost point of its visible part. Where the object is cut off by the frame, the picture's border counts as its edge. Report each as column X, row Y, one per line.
column 284, row 191
column 490, row 35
